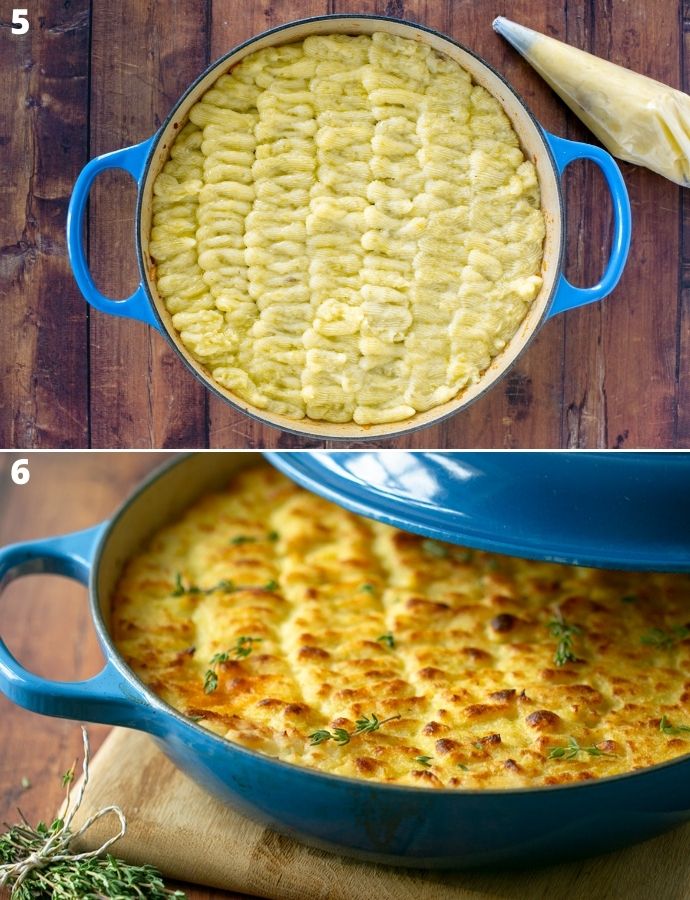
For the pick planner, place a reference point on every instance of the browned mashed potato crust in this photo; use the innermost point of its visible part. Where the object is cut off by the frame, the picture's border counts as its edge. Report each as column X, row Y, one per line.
column 325, row 618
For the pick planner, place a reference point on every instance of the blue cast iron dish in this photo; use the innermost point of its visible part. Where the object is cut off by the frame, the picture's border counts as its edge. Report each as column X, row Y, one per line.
column 611, row 510
column 392, row 824
column 550, row 154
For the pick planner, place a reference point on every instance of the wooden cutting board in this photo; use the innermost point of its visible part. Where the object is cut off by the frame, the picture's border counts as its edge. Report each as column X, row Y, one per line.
column 177, row 827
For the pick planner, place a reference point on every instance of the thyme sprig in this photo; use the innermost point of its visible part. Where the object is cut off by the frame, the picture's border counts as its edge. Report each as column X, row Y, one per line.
column 365, row 725
column 564, row 631
column 241, row 649
column 573, row 749
column 240, row 539
column 180, row 589
column 341, row 736
column 657, row 637
column 37, row 862
column 666, row 727
column 223, row 585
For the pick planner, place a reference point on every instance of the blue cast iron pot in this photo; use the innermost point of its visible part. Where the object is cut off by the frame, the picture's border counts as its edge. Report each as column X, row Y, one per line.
column 377, row 822
column 550, row 154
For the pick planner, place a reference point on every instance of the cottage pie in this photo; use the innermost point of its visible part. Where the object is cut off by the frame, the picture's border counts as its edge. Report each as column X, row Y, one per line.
column 347, row 230
column 285, row 624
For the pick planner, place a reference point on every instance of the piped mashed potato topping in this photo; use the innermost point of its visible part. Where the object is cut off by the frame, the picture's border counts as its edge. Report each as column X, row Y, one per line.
column 347, row 230
column 281, row 622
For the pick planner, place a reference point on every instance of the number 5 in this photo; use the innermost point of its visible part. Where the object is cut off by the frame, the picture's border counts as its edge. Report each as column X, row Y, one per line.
column 20, row 24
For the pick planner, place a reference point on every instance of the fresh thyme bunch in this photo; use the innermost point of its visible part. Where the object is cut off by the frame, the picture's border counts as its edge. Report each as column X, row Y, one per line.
column 37, row 863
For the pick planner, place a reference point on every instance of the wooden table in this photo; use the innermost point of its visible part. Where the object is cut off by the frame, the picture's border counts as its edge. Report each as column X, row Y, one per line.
column 90, row 77
column 46, row 623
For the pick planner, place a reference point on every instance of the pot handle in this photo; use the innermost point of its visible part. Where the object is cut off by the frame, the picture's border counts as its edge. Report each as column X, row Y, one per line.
column 132, row 160
column 105, row 697
column 568, row 296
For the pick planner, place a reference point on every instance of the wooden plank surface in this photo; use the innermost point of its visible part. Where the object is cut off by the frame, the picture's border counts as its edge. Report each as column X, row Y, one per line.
column 615, row 374
column 683, row 361
column 631, row 403
column 43, row 145
column 45, row 620
column 143, row 55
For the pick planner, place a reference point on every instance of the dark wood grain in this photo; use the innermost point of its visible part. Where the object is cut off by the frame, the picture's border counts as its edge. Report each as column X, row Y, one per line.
column 620, row 387
column 43, row 145
column 682, row 435
column 613, row 374
column 46, row 623
column 144, row 54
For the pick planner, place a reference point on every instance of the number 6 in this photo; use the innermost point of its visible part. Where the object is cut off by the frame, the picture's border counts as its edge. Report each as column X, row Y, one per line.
column 20, row 23
column 19, row 472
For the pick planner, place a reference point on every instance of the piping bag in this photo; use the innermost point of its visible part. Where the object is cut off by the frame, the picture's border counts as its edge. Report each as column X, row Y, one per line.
column 635, row 117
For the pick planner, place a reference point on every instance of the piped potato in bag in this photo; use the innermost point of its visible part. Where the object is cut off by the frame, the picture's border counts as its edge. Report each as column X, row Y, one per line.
column 636, row 118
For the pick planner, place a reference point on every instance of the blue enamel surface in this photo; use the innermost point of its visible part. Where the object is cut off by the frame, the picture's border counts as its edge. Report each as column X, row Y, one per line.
column 615, row 510
column 567, row 295
column 435, row 828
column 132, row 160
column 379, row 822
column 103, row 698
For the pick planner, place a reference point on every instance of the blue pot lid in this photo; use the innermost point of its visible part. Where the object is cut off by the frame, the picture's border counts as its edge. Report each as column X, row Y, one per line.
column 612, row 510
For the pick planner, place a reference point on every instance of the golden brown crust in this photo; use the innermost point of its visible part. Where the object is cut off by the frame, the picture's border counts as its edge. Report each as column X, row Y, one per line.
column 339, row 619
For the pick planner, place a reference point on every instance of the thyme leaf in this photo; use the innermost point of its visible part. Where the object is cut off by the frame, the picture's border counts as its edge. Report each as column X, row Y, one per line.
column 573, row 749
column 666, row 727
column 368, row 588
column 210, row 681
column 657, row 637
column 366, row 725
column 242, row 647
column 223, row 585
column 424, row 760
column 180, row 590
column 339, row 735
column 240, row 539
column 387, row 639
column 564, row 631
